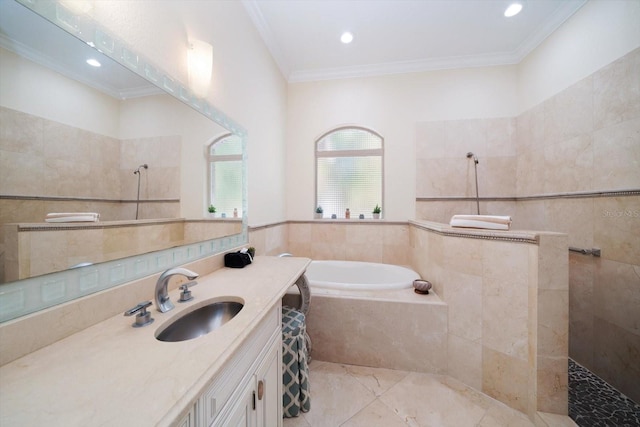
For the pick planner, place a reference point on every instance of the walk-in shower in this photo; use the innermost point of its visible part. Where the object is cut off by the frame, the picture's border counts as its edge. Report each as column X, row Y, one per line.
column 137, row 172
column 470, row 155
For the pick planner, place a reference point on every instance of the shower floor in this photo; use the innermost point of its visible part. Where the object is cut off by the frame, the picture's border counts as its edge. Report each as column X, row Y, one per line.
column 594, row 403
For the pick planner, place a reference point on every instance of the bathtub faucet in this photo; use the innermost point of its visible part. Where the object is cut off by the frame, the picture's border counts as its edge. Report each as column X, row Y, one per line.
column 163, row 303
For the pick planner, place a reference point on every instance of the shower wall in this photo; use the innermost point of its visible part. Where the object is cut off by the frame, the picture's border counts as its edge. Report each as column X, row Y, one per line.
column 571, row 164
column 53, row 167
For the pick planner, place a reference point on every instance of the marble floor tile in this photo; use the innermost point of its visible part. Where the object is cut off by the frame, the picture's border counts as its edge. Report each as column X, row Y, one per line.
column 357, row 396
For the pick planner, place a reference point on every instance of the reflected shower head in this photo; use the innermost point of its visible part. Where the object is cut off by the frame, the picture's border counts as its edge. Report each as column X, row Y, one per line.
column 141, row 166
column 471, row 155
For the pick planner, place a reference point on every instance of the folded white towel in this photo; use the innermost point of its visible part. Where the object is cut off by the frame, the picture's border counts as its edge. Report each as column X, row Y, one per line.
column 68, row 214
column 73, row 217
column 478, row 224
column 498, row 219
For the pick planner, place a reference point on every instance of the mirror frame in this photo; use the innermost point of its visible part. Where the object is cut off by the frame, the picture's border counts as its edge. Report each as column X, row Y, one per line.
column 27, row 296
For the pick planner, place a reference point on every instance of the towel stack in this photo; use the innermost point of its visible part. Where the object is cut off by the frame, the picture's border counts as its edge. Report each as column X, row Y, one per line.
column 73, row 217
column 490, row 222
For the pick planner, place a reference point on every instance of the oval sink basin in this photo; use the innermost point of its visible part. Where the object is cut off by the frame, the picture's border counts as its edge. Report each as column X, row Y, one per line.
column 200, row 321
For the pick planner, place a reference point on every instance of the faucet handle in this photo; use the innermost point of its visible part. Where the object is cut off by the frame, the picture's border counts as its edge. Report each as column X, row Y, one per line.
column 185, row 295
column 143, row 317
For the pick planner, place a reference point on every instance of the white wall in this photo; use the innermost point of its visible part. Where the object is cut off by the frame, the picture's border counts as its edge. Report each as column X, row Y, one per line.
column 599, row 33
column 246, row 83
column 31, row 88
column 391, row 105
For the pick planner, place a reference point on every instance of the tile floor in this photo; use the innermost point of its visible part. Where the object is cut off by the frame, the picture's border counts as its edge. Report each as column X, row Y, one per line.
column 356, row 396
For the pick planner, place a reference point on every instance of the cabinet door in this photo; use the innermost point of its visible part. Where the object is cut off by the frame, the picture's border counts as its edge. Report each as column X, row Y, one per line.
column 244, row 414
column 269, row 388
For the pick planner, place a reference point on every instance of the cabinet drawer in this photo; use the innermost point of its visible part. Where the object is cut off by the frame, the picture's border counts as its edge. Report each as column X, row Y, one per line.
column 234, row 372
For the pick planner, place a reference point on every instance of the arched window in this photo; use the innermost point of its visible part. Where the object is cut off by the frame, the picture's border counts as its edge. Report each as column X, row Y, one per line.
column 349, row 172
column 225, row 175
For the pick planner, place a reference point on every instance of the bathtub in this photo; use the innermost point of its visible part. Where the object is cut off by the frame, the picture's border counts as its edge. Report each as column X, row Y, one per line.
column 367, row 314
column 359, row 276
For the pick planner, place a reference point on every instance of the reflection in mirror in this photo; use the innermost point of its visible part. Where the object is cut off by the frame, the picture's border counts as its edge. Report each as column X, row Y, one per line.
column 225, row 175
column 74, row 139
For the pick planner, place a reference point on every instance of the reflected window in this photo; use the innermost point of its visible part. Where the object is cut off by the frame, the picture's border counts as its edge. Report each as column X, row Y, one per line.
column 225, row 175
column 349, row 172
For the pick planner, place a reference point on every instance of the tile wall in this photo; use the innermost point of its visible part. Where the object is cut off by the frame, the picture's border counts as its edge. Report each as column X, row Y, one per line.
column 51, row 167
column 506, row 304
column 576, row 157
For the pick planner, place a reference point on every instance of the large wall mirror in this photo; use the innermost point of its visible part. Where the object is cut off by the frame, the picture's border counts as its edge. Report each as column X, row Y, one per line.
column 123, row 140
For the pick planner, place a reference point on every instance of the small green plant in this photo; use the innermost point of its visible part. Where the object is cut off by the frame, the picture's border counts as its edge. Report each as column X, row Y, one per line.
column 211, row 209
column 377, row 209
column 319, row 209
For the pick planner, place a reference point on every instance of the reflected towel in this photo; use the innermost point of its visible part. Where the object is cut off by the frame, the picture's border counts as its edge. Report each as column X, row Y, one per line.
column 491, row 222
column 73, row 217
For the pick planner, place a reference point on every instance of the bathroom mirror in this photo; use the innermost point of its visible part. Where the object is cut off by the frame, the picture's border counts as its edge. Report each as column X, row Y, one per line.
column 87, row 148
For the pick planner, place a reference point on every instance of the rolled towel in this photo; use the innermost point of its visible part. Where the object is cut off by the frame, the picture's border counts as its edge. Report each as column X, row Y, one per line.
column 490, row 222
column 73, row 217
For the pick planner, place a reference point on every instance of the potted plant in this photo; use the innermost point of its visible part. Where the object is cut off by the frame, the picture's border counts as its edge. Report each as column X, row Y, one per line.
column 212, row 211
column 318, row 214
column 376, row 212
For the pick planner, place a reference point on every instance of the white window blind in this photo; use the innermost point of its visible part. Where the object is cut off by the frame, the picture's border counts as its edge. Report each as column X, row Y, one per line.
column 349, row 172
column 225, row 175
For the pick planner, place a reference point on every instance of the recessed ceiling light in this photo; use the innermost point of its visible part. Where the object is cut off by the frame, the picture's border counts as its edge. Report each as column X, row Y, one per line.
column 93, row 62
column 346, row 37
column 513, row 10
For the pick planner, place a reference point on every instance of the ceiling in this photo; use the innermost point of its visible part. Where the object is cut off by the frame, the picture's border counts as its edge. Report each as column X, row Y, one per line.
column 398, row 36
column 33, row 37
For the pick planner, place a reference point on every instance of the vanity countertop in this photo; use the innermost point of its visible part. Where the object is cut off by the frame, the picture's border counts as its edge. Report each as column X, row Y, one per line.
column 112, row 374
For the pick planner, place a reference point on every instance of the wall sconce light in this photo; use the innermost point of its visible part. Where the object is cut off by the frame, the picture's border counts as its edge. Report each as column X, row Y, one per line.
column 200, row 63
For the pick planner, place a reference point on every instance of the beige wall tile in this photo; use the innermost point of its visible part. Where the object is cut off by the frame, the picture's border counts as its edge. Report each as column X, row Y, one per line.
column 617, row 228
column 553, row 385
column 569, row 113
column 464, row 295
column 465, row 361
column 530, row 172
column 569, row 165
column 530, row 130
column 574, row 217
column 616, row 153
column 505, row 378
column 415, row 329
column 553, row 261
column 553, row 323
column 501, row 137
column 616, row 357
column 463, row 255
column 581, row 308
column 616, row 91
column 616, row 289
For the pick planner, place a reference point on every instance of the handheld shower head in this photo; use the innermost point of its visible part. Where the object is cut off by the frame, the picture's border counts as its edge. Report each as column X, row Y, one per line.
column 471, row 155
column 137, row 171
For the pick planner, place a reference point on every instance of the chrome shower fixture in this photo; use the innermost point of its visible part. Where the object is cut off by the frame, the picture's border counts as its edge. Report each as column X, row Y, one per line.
column 470, row 155
column 137, row 172
column 146, row 166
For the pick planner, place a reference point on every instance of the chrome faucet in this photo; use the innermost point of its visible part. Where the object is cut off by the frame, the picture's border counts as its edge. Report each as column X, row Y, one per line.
column 163, row 303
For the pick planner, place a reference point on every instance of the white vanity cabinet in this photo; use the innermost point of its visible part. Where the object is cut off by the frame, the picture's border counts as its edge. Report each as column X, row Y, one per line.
column 248, row 389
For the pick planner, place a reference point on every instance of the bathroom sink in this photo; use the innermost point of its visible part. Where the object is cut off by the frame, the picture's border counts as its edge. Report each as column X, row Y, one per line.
column 200, row 321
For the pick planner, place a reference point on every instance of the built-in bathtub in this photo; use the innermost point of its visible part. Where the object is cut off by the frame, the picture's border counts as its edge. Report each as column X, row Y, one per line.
column 367, row 314
column 361, row 276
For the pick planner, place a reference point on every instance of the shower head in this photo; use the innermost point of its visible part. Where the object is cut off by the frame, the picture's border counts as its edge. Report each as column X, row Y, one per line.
column 471, row 155
column 141, row 166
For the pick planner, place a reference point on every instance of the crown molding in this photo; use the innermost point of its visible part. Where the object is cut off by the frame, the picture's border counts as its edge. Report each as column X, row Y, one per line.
column 256, row 16
column 565, row 11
